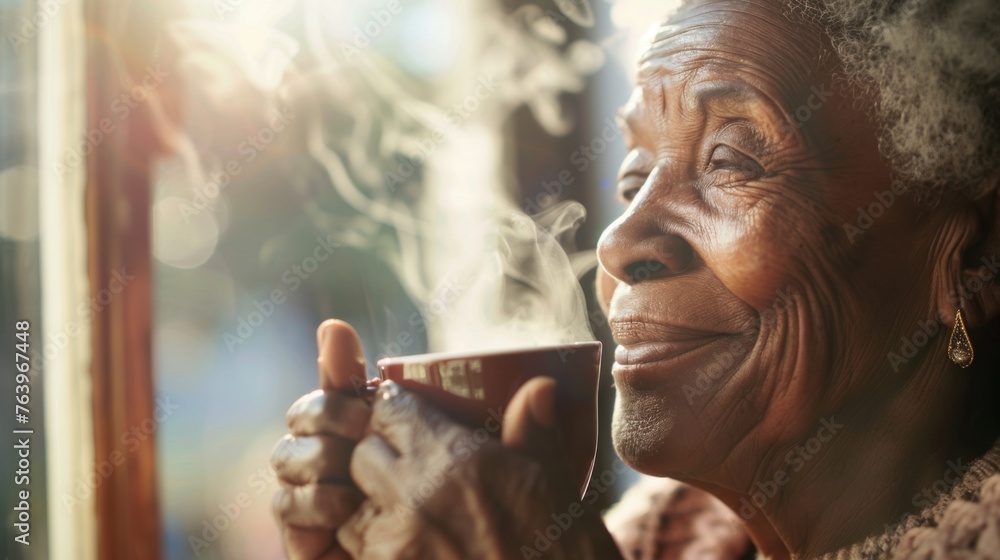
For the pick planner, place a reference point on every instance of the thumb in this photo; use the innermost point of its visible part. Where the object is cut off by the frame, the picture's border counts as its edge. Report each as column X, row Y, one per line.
column 529, row 422
column 341, row 358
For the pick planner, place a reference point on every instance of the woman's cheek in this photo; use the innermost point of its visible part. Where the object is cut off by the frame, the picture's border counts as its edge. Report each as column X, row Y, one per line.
column 750, row 272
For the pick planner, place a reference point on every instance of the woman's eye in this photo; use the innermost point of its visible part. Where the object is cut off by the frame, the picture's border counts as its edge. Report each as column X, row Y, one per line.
column 726, row 158
column 628, row 186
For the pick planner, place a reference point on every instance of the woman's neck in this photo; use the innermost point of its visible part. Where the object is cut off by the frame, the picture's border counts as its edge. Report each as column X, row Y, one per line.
column 886, row 454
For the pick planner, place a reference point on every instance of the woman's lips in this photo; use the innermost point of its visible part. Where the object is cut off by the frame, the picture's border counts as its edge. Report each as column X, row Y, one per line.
column 658, row 351
column 644, row 342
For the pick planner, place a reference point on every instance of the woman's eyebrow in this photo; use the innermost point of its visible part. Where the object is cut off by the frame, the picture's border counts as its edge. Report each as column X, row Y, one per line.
column 704, row 93
column 722, row 93
column 713, row 92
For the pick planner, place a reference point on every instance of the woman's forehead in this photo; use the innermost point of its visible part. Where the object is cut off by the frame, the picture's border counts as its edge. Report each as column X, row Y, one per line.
column 754, row 41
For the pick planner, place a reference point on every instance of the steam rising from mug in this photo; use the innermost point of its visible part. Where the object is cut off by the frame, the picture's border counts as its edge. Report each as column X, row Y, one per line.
column 530, row 295
column 417, row 166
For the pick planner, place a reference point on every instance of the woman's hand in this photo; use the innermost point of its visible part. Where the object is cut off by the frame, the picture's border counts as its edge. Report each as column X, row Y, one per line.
column 312, row 462
column 439, row 490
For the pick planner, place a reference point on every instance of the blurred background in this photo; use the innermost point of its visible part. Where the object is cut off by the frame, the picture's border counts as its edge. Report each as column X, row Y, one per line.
column 188, row 189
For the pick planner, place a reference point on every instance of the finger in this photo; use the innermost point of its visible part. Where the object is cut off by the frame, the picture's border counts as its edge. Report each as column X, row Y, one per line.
column 373, row 470
column 316, row 506
column 331, row 413
column 351, row 534
column 312, row 544
column 311, row 459
column 392, row 535
column 408, row 423
column 341, row 358
column 529, row 424
column 530, row 415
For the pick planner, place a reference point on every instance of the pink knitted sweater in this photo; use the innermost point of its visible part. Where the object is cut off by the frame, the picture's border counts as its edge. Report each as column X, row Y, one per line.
column 662, row 519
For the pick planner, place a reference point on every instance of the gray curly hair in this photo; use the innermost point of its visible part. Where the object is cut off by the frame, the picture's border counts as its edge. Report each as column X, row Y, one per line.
column 934, row 67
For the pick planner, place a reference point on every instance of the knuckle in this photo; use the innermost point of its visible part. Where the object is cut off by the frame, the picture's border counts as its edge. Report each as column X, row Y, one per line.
column 306, row 449
column 281, row 454
column 307, row 407
column 345, row 416
column 304, row 506
column 310, row 499
column 314, row 504
column 281, row 505
column 332, row 406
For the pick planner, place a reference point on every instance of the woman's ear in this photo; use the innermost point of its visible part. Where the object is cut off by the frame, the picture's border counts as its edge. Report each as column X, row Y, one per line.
column 973, row 273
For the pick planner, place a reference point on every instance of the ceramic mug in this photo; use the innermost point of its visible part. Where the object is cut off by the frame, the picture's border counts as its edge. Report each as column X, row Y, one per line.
column 472, row 387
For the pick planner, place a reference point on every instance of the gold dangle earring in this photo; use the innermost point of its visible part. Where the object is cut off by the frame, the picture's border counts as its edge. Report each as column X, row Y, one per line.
column 960, row 347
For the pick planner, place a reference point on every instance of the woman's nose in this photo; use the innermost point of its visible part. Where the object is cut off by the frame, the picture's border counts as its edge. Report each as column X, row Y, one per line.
column 635, row 248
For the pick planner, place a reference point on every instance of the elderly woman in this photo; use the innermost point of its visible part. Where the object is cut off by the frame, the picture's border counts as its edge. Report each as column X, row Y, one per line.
column 802, row 289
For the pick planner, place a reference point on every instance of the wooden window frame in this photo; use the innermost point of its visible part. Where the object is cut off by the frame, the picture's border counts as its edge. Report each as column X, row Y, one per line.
column 122, row 42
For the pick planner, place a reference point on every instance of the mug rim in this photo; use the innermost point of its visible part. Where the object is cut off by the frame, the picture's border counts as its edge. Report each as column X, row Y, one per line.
column 466, row 354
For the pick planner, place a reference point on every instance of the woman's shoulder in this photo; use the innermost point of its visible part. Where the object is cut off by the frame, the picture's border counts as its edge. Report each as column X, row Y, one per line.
column 968, row 527
column 660, row 517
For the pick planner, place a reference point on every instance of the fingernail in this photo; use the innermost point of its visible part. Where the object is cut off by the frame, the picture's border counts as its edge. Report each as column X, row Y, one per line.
column 388, row 389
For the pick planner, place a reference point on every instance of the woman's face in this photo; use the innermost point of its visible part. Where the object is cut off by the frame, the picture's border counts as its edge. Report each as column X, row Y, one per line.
column 747, row 300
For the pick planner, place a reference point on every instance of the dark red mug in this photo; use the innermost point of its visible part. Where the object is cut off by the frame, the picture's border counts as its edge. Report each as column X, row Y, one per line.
column 472, row 387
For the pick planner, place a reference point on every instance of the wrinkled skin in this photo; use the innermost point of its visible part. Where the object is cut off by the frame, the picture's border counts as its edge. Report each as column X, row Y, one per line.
column 312, row 463
column 419, row 470
column 435, row 489
column 751, row 322
column 746, row 159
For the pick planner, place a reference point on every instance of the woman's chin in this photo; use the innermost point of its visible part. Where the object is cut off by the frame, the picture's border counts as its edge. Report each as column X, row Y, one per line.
column 650, row 438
